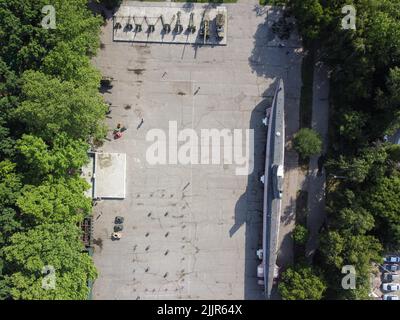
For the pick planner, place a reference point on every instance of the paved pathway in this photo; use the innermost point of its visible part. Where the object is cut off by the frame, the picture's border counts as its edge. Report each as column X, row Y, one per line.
column 316, row 183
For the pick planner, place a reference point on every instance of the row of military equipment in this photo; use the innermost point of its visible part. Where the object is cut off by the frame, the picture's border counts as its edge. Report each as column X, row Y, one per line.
column 135, row 24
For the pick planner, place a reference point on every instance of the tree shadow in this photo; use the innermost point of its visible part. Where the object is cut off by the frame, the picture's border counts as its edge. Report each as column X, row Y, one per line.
column 269, row 50
column 101, row 9
column 188, row 6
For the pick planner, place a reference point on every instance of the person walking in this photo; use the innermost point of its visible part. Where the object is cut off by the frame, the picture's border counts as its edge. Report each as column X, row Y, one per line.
column 140, row 124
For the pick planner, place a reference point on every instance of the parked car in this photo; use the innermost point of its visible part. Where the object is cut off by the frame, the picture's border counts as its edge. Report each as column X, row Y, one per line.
column 390, row 287
column 392, row 259
column 119, row 220
column 390, row 297
column 391, row 277
column 391, row 267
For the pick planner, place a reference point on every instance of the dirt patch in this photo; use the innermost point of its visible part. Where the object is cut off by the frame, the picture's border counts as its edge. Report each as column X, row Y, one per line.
column 104, row 160
column 98, row 242
column 97, row 143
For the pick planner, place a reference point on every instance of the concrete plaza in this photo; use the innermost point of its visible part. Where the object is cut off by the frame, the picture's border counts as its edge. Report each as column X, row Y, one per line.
column 192, row 231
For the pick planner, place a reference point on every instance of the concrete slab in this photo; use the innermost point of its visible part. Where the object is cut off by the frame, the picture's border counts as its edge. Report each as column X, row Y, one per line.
column 128, row 18
column 110, row 169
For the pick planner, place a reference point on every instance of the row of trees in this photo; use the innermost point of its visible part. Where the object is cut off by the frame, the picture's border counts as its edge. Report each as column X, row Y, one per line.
column 50, row 110
column 363, row 192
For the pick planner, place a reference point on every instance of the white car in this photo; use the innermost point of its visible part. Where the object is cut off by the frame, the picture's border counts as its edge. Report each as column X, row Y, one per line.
column 391, row 267
column 390, row 297
column 392, row 259
column 390, row 287
column 391, row 277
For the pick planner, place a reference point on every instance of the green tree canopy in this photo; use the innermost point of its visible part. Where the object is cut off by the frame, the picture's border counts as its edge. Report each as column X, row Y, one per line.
column 68, row 65
column 300, row 234
column 384, row 202
column 332, row 246
column 56, row 245
column 307, row 142
column 55, row 202
column 301, row 283
column 354, row 221
column 351, row 127
column 311, row 12
column 51, row 107
column 38, row 160
column 10, row 188
column 10, row 183
column 364, row 69
column 25, row 43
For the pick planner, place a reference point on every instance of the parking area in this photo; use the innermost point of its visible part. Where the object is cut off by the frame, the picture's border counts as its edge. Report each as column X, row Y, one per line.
column 191, row 231
column 386, row 278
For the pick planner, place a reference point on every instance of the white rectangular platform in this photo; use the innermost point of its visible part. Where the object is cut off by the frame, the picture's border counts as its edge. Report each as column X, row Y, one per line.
column 110, row 176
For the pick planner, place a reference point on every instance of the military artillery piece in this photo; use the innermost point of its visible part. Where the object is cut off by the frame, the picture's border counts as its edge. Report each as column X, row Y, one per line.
column 151, row 26
column 138, row 24
column 205, row 27
column 178, row 26
column 128, row 26
column 220, row 24
column 167, row 26
column 191, row 26
column 117, row 25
